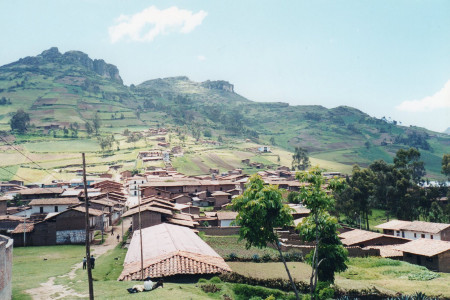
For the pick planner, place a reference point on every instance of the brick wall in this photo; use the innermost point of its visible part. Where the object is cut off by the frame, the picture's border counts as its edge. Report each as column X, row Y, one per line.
column 6, row 257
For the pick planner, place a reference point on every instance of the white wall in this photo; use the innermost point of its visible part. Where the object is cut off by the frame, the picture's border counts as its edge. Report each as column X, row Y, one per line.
column 225, row 223
column 410, row 235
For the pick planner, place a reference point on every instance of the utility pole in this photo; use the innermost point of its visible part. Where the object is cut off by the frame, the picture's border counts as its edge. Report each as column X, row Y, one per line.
column 24, row 228
column 140, row 234
column 88, row 250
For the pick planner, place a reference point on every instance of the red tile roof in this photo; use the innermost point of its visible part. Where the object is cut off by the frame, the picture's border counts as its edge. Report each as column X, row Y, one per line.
column 425, row 247
column 55, row 201
column 29, row 227
column 171, row 250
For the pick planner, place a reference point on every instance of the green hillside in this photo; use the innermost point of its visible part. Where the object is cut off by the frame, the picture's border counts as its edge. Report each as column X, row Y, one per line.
column 63, row 89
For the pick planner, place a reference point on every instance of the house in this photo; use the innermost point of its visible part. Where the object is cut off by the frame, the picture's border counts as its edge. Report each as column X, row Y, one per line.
column 224, row 218
column 170, row 250
column 264, row 149
column 67, row 227
column 182, row 199
column 8, row 223
column 363, row 238
column 221, row 198
column 49, row 205
column 432, row 254
column 39, row 193
column 134, row 183
column 299, row 211
column 417, row 229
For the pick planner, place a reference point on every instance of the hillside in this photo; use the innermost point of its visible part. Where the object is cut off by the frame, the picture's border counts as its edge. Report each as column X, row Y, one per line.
column 62, row 89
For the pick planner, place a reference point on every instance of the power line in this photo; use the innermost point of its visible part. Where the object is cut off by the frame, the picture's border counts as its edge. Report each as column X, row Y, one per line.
column 28, row 158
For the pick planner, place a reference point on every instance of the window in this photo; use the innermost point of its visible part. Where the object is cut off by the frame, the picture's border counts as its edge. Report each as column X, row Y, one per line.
column 415, row 235
column 431, row 236
column 56, row 208
column 41, row 210
column 423, row 235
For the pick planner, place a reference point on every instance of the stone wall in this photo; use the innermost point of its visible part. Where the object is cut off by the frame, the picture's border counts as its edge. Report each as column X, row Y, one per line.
column 6, row 257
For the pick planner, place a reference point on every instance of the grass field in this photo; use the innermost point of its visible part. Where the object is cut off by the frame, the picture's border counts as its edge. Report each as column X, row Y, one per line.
column 386, row 275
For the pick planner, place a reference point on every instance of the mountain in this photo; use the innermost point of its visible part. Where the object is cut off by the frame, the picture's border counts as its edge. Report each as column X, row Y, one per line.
column 63, row 88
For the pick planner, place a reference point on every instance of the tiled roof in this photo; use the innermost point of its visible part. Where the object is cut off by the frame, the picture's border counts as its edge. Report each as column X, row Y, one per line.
column 92, row 211
column 147, row 208
column 425, row 247
column 220, row 193
column 11, row 218
column 429, row 227
column 393, row 225
column 55, row 201
column 29, row 227
column 170, row 250
column 226, row 215
column 357, row 236
column 387, row 250
column 36, row 191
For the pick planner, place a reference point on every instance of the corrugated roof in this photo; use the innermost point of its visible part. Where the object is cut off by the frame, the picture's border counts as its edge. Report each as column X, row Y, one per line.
column 425, row 247
column 55, row 201
column 170, row 250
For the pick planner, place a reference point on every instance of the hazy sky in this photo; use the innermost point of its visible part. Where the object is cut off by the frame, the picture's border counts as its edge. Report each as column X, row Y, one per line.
column 387, row 58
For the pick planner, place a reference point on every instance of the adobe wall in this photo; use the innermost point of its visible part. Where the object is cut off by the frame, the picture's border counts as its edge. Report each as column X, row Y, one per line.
column 221, row 231
column 430, row 263
column 6, row 257
column 444, row 262
column 352, row 251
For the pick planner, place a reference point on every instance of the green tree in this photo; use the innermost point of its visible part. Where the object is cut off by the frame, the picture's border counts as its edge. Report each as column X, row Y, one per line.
column 96, row 123
column 300, row 159
column 272, row 141
column 446, row 165
column 409, row 160
column 354, row 200
column 329, row 256
column 260, row 210
column 20, row 121
column 88, row 127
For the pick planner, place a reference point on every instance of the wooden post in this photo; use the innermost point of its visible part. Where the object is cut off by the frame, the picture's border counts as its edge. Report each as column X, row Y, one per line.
column 88, row 250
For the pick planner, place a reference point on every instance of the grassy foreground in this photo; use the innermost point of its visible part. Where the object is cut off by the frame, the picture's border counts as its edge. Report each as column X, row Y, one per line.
column 33, row 266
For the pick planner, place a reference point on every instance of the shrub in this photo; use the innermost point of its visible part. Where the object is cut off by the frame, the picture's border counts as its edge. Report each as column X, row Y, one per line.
column 244, row 291
column 215, row 279
column 232, row 256
column 266, row 257
column 210, row 288
column 423, row 276
column 202, row 280
column 326, row 293
column 296, row 256
column 256, row 258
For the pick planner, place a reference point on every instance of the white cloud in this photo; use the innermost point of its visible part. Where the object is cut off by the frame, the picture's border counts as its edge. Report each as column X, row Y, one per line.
column 144, row 26
column 437, row 101
column 201, row 57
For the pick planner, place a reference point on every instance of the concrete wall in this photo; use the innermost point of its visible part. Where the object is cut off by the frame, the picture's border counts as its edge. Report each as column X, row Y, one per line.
column 410, row 235
column 6, row 257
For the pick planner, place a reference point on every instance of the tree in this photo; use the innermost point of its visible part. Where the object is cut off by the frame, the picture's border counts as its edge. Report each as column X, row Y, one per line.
column 20, row 121
column 300, row 159
column 353, row 200
column 272, row 141
column 409, row 160
column 96, row 123
column 88, row 127
column 329, row 256
column 260, row 210
column 446, row 165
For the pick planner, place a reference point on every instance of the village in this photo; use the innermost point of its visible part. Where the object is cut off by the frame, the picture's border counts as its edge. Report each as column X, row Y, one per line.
column 161, row 216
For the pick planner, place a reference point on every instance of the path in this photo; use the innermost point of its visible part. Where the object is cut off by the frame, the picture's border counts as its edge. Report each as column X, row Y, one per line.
column 50, row 290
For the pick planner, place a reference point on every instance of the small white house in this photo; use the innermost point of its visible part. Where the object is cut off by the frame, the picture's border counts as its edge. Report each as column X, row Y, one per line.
column 50, row 205
column 225, row 218
column 416, row 230
column 134, row 183
column 264, row 149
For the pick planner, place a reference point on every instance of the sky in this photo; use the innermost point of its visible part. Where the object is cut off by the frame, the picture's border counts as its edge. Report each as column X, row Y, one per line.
column 386, row 58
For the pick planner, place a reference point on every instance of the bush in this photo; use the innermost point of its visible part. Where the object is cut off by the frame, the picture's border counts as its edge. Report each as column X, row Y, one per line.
column 202, row 280
column 326, row 293
column 210, row 288
column 266, row 257
column 232, row 256
column 256, row 258
column 423, row 276
column 244, row 291
column 215, row 279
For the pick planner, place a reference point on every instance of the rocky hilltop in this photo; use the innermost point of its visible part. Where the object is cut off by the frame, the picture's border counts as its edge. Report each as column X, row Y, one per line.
column 53, row 55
